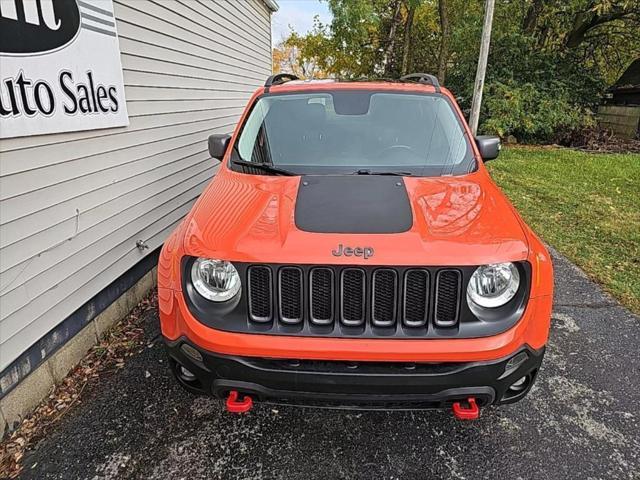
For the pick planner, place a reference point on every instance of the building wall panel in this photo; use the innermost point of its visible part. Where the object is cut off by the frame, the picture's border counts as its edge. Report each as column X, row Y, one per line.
column 73, row 205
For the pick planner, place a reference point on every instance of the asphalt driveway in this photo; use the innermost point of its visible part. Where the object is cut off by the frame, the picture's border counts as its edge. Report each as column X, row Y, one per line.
column 581, row 420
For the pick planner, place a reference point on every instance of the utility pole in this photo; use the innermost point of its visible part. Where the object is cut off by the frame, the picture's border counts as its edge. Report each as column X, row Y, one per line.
column 482, row 66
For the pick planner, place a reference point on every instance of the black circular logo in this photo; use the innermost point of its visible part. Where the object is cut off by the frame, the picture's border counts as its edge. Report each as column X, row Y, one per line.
column 37, row 26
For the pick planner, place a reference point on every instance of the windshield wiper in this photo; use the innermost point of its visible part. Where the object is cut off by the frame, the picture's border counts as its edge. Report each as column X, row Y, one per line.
column 374, row 172
column 264, row 167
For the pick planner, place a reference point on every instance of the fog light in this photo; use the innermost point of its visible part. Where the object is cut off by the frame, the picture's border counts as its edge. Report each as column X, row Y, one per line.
column 185, row 374
column 189, row 351
column 519, row 385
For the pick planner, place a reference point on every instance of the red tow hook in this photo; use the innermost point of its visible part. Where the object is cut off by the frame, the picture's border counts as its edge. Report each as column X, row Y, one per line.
column 462, row 412
column 236, row 406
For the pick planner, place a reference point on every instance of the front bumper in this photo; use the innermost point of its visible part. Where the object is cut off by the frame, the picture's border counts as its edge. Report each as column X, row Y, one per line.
column 383, row 385
column 176, row 322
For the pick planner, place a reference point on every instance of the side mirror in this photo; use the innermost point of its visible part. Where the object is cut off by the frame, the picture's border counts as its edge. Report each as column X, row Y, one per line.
column 218, row 143
column 489, row 146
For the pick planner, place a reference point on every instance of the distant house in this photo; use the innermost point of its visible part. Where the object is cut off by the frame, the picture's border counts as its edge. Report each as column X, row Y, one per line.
column 620, row 110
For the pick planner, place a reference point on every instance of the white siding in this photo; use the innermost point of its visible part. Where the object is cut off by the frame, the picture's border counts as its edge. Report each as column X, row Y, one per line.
column 73, row 205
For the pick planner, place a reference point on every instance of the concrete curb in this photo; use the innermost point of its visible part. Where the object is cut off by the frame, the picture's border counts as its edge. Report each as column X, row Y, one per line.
column 27, row 395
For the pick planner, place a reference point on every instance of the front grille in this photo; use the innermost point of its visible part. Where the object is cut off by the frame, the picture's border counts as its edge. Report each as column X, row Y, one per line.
column 336, row 300
column 260, row 288
column 385, row 285
column 352, row 294
column 321, row 296
column 290, row 290
column 448, row 291
column 416, row 298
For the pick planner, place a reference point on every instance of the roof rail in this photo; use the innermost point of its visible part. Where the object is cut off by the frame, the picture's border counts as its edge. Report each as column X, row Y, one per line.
column 422, row 78
column 279, row 78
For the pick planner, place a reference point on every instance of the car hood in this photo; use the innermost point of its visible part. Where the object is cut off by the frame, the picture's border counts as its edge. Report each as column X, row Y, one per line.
column 463, row 220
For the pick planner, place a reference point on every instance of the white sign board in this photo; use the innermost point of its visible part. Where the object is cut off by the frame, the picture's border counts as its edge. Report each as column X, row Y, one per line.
column 60, row 67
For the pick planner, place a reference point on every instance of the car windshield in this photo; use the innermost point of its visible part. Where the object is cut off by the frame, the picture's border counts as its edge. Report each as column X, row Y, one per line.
column 359, row 132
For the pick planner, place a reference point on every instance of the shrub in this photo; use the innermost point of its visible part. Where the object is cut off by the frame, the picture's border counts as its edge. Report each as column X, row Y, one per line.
column 531, row 113
column 535, row 94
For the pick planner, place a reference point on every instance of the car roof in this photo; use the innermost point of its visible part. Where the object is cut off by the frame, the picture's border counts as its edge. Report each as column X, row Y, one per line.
column 377, row 85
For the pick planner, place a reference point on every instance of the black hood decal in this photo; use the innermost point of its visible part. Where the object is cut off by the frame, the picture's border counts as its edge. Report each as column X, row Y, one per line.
column 353, row 204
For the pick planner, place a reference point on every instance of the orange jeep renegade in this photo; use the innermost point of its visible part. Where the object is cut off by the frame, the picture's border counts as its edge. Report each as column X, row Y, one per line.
column 352, row 251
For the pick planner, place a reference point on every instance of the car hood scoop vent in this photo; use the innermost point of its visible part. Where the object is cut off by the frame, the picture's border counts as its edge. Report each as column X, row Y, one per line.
column 353, row 204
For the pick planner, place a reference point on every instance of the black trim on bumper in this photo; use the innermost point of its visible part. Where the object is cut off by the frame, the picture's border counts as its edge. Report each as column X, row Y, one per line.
column 370, row 385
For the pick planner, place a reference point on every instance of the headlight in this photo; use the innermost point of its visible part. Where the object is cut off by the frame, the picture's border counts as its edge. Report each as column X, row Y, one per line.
column 215, row 280
column 492, row 286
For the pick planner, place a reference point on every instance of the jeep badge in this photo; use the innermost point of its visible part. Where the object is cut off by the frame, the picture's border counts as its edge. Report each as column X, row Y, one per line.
column 364, row 252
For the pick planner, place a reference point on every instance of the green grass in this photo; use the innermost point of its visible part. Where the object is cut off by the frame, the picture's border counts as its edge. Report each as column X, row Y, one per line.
column 585, row 205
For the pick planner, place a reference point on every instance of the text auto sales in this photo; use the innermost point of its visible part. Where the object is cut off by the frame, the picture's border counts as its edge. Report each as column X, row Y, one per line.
column 24, row 96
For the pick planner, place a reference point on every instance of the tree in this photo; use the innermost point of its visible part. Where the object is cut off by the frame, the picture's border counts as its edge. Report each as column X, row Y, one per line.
column 391, row 38
column 285, row 59
column 599, row 13
column 444, row 40
column 540, row 50
column 411, row 6
column 354, row 35
column 307, row 56
column 530, row 21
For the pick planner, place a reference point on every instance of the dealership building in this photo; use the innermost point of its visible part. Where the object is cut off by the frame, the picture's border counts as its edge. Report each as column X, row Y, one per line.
column 105, row 108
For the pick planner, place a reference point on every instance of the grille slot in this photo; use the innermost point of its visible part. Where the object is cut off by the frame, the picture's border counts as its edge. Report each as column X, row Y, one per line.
column 416, row 298
column 447, row 298
column 352, row 293
column 385, row 285
column 290, row 294
column 321, row 302
column 260, row 288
